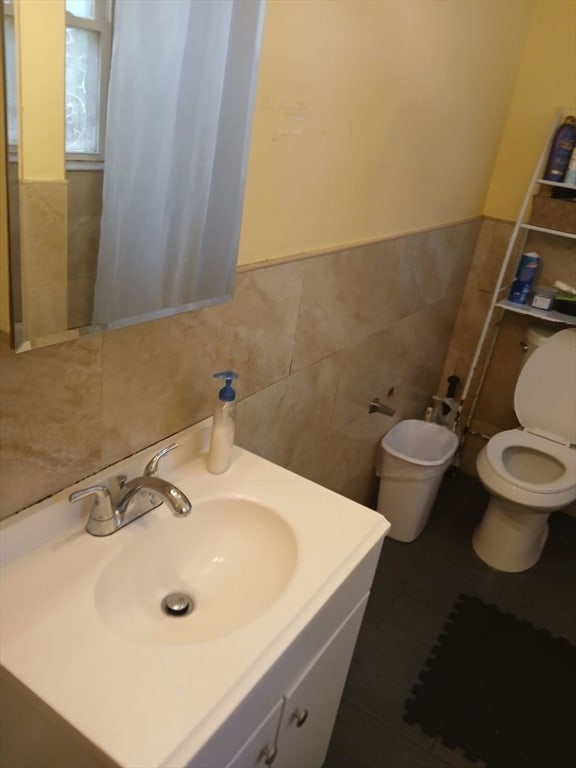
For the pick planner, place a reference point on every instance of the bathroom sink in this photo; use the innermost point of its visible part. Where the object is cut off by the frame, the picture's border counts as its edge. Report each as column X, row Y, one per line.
column 223, row 565
column 271, row 562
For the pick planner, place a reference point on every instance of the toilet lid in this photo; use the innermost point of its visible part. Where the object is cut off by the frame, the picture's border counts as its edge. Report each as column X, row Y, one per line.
column 544, row 399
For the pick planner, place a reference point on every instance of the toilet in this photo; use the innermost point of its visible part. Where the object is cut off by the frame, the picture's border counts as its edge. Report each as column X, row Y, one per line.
column 531, row 471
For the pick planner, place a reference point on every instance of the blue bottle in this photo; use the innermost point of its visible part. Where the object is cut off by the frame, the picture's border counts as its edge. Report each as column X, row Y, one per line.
column 525, row 275
column 563, row 143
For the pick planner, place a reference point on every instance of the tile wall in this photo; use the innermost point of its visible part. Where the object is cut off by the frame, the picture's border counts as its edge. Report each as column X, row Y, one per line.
column 84, row 196
column 84, row 211
column 43, row 256
column 314, row 340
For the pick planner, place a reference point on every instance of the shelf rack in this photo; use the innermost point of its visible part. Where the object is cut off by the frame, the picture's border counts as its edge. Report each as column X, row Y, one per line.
column 517, row 242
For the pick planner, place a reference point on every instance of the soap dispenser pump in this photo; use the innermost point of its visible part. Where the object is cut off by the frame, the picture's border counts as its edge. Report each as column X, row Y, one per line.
column 223, row 426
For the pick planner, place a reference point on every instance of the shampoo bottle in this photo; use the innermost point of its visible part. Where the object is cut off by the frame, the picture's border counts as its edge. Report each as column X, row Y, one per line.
column 562, row 145
column 223, row 426
column 525, row 275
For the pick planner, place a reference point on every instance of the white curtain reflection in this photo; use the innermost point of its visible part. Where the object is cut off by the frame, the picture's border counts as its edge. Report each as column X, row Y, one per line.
column 167, row 72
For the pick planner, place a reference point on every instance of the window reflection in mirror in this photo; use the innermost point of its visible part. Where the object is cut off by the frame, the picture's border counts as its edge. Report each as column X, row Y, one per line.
column 88, row 47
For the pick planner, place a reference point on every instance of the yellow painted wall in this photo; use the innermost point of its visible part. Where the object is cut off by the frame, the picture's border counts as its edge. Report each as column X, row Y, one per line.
column 379, row 117
column 41, row 27
column 546, row 81
column 376, row 117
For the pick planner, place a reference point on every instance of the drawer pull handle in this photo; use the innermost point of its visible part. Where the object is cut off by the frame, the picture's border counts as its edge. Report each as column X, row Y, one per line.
column 268, row 754
column 300, row 716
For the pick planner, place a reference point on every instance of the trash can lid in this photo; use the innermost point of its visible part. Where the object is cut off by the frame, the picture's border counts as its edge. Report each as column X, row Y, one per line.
column 420, row 442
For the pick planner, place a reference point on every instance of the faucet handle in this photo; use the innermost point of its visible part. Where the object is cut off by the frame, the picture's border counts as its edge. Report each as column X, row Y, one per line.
column 152, row 467
column 103, row 508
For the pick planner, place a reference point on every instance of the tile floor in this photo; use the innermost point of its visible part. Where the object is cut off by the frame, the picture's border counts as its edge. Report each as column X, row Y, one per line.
column 414, row 589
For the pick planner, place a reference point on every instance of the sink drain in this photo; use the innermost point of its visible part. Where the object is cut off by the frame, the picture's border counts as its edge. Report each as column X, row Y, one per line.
column 177, row 604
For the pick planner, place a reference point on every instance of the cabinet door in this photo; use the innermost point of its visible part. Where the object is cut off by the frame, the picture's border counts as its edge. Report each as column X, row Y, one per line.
column 312, row 704
column 260, row 749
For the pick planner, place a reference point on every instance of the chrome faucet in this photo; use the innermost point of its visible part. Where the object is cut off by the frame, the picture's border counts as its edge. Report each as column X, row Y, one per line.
column 168, row 492
column 132, row 499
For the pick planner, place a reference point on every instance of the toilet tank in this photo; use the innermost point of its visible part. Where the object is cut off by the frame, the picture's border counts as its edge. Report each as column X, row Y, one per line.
column 533, row 338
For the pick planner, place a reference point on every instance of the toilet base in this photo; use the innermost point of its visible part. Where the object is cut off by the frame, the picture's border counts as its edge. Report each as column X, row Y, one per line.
column 510, row 537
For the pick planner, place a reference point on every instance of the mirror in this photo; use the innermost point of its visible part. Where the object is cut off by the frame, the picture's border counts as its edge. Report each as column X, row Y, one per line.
column 134, row 217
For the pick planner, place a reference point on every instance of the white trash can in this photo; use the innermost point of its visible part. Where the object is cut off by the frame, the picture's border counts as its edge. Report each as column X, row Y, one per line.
column 413, row 456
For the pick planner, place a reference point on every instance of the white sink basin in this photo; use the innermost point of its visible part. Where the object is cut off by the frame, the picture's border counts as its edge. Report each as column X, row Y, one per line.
column 233, row 557
column 261, row 554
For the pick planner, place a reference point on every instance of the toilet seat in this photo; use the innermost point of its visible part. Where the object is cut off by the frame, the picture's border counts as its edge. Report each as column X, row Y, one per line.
column 519, row 438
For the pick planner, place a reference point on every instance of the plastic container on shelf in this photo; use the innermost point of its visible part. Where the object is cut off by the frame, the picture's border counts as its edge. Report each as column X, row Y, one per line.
column 543, row 297
column 413, row 457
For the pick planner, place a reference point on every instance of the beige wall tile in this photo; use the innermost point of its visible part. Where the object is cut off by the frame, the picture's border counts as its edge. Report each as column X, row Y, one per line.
column 371, row 369
column 147, row 384
column 352, row 294
column 288, row 418
column 50, row 309
column 492, row 245
column 345, row 297
column 426, row 269
column 345, row 460
column 408, row 356
column 157, row 377
column 84, row 210
column 51, row 428
column 43, row 249
column 313, row 341
column 43, row 229
column 254, row 334
column 459, row 248
column 492, row 237
column 429, row 333
column 83, row 240
column 85, row 192
column 80, row 301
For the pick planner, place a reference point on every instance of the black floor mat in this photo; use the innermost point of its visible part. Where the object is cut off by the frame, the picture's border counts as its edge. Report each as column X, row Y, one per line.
column 500, row 689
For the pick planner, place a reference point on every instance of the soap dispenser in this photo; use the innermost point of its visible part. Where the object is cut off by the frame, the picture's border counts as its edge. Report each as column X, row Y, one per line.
column 223, row 426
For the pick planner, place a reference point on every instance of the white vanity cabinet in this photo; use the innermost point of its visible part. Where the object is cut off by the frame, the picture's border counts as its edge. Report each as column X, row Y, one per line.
column 78, row 689
column 306, row 683
column 261, row 748
column 308, row 676
column 297, row 731
column 310, row 708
